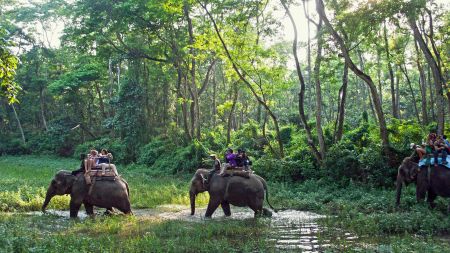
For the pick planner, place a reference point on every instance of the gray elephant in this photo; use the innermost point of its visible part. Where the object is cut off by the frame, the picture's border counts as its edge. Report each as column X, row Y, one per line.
column 107, row 194
column 432, row 180
column 234, row 190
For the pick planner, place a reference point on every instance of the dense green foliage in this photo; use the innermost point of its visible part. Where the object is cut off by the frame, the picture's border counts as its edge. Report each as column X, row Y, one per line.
column 162, row 84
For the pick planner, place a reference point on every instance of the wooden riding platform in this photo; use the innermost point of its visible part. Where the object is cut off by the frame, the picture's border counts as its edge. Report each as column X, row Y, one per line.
column 98, row 173
column 237, row 172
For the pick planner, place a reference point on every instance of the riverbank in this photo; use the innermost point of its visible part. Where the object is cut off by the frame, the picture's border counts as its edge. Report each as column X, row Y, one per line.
column 366, row 214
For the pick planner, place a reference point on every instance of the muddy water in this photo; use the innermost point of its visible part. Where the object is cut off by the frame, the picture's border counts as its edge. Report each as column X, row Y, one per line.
column 291, row 230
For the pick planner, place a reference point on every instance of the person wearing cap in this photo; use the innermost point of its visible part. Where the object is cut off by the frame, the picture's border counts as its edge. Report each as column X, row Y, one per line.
column 216, row 164
column 418, row 150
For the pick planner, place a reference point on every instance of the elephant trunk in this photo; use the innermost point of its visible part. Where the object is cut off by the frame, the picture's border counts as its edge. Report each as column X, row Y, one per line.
column 192, row 197
column 48, row 197
column 399, row 189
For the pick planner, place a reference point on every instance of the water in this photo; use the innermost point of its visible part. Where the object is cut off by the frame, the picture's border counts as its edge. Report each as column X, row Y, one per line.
column 291, row 230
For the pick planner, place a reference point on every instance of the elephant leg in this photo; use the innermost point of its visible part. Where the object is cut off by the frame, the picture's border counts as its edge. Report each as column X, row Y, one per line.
column 212, row 206
column 74, row 207
column 124, row 206
column 226, row 208
column 421, row 190
column 89, row 209
column 257, row 207
column 430, row 199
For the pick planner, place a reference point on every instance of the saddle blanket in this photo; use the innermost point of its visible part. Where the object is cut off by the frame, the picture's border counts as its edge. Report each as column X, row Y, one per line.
column 423, row 162
column 98, row 173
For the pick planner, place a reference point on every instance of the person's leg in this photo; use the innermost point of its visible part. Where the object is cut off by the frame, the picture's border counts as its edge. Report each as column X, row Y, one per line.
column 428, row 152
column 444, row 156
column 114, row 169
column 421, row 152
column 103, row 165
column 436, row 156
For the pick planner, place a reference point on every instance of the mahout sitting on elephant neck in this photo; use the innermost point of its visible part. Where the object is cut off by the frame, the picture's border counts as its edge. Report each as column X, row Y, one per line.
column 430, row 181
column 234, row 190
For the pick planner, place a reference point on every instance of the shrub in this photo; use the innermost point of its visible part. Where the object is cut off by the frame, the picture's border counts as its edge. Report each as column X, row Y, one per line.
column 152, row 151
column 341, row 164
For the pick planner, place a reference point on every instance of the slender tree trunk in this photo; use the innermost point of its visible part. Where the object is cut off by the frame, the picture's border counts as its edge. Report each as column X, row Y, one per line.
column 42, row 103
column 391, row 74
column 230, row 116
column 247, row 83
column 341, row 106
column 310, row 89
column 423, row 87
column 405, row 73
column 430, row 86
column 100, row 98
column 380, row 86
column 319, row 90
column 373, row 90
column 438, row 80
column 214, row 112
column 195, row 111
column 19, row 124
column 397, row 95
column 182, row 81
column 301, row 102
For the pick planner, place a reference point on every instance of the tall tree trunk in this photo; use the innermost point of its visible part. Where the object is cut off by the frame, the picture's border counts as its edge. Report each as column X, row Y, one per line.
column 423, row 86
column 380, row 86
column 339, row 129
column 195, row 111
column 42, row 103
column 309, row 87
column 319, row 90
column 247, row 83
column 230, row 116
column 373, row 90
column 391, row 74
column 397, row 95
column 405, row 73
column 19, row 124
column 438, row 80
column 100, row 98
column 430, row 87
column 214, row 102
column 301, row 95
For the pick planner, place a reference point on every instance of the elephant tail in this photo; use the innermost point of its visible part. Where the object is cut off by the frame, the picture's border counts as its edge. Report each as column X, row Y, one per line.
column 126, row 184
column 266, row 189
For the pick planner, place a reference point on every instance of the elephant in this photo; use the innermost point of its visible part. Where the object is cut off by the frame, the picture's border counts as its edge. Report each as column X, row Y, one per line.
column 107, row 194
column 235, row 190
column 432, row 180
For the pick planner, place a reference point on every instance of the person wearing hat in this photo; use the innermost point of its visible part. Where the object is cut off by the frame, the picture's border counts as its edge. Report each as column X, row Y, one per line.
column 216, row 165
column 418, row 150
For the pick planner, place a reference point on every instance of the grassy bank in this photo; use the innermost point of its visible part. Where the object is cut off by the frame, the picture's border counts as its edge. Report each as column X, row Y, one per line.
column 25, row 179
column 367, row 212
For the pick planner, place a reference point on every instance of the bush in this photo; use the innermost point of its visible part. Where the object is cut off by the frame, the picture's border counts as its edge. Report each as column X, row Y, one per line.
column 341, row 164
column 14, row 147
column 163, row 157
column 152, row 151
column 280, row 169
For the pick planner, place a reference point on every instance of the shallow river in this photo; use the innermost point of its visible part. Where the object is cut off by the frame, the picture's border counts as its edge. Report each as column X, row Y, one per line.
column 292, row 230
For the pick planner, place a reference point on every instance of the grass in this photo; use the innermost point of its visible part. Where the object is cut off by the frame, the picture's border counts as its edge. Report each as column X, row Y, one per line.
column 24, row 182
column 362, row 210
